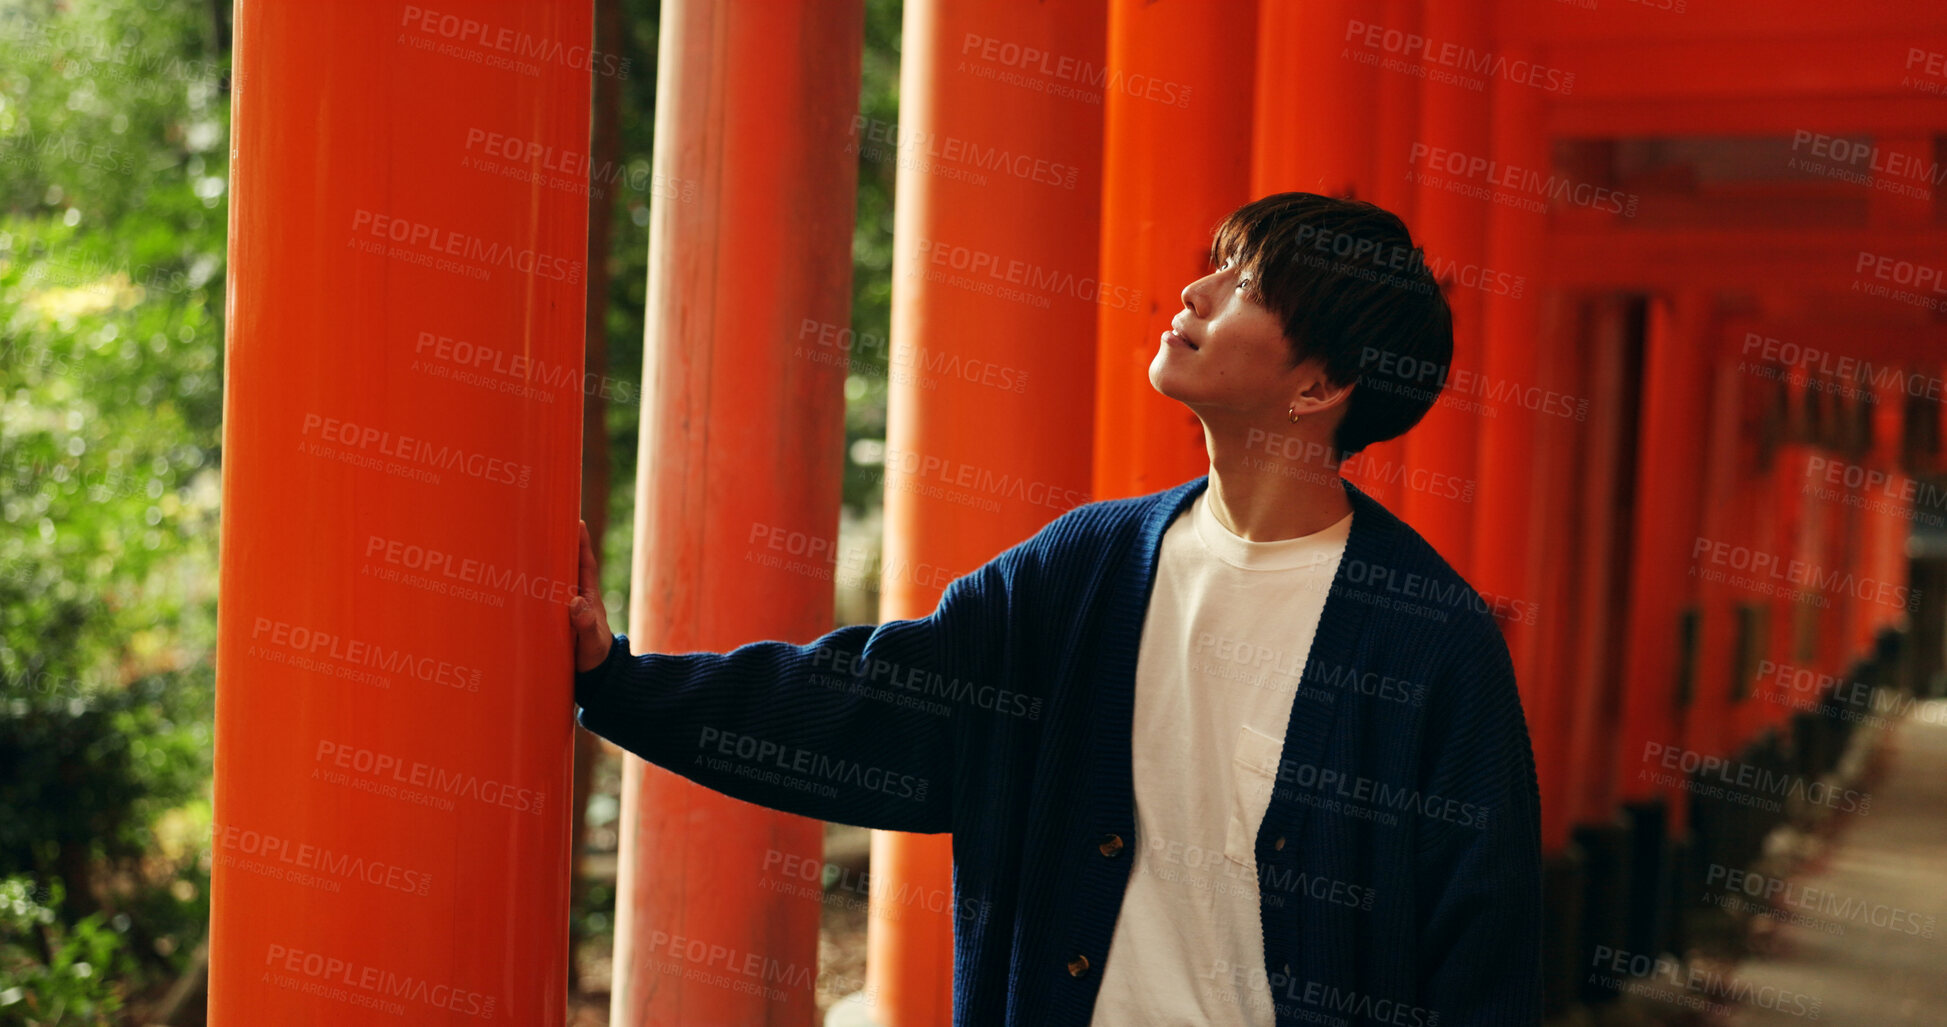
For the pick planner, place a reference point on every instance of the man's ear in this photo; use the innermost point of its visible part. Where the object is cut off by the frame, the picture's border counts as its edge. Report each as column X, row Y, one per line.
column 1318, row 393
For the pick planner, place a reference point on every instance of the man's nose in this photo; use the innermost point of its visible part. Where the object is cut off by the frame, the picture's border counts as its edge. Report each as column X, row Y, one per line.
column 1193, row 295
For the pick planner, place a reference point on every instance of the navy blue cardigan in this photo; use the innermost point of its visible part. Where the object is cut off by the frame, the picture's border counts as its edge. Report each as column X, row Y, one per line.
column 1406, row 785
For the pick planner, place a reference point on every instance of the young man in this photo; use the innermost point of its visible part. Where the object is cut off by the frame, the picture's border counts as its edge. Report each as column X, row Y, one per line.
column 1243, row 751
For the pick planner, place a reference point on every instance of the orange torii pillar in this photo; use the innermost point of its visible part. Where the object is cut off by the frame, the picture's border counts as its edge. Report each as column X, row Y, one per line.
column 1889, row 513
column 1317, row 82
column 1516, row 509
column 1453, row 229
column 1316, row 86
column 1775, row 537
column 1726, row 491
column 1597, row 700
column 1662, row 578
column 971, row 256
column 1380, row 468
column 1663, row 573
column 1157, row 212
column 742, row 436
column 401, row 441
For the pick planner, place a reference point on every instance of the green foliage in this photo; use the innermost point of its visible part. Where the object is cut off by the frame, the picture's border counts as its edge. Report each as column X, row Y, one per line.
column 865, row 390
column 113, row 165
column 50, row 973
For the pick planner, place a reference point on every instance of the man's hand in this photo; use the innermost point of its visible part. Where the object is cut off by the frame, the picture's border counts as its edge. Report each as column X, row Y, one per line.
column 585, row 613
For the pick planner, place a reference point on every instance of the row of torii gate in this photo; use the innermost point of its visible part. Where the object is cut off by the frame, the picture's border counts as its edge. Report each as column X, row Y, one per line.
column 1681, row 385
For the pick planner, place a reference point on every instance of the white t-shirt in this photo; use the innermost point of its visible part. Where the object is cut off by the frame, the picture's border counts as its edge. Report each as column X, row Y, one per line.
column 1224, row 642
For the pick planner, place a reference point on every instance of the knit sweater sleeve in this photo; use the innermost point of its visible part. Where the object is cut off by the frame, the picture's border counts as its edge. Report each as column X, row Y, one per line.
column 835, row 728
column 1479, row 867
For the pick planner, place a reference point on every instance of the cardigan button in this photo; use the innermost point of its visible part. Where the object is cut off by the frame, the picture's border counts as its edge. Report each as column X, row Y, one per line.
column 1279, row 844
column 1110, row 844
column 1078, row 966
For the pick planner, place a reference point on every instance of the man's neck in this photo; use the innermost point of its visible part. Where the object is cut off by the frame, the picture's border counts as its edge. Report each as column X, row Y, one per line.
column 1274, row 488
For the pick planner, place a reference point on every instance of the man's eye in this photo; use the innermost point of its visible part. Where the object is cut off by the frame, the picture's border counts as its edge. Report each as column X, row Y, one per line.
column 1243, row 283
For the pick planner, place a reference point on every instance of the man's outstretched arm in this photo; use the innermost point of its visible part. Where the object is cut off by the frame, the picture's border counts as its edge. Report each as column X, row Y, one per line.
column 841, row 728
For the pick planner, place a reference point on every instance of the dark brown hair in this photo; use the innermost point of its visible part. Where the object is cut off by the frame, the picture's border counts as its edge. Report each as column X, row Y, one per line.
column 1350, row 288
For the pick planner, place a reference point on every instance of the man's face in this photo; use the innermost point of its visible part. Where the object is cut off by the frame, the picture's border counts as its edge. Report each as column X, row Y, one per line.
column 1227, row 351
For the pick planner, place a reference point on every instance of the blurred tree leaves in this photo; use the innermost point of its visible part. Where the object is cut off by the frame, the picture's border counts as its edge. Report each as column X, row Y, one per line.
column 113, row 166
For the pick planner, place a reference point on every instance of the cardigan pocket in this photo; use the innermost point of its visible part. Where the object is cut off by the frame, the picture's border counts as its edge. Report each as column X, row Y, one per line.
column 1252, row 770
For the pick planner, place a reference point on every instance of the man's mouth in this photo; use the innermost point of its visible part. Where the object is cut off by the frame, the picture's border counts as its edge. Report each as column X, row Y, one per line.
column 1174, row 337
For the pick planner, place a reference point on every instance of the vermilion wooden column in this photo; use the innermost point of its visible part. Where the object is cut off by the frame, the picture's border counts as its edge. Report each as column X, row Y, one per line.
column 401, row 440
column 1663, row 570
column 1776, row 532
column 1000, row 268
column 1515, row 510
column 1380, row 469
column 1316, row 92
column 1591, row 782
column 1453, row 119
column 1723, row 491
column 742, row 435
column 1889, row 516
column 1157, row 213
column 1564, row 454
column 1835, row 539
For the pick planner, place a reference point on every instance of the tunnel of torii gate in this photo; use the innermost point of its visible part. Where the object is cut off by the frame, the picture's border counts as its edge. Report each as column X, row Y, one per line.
column 1694, row 254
